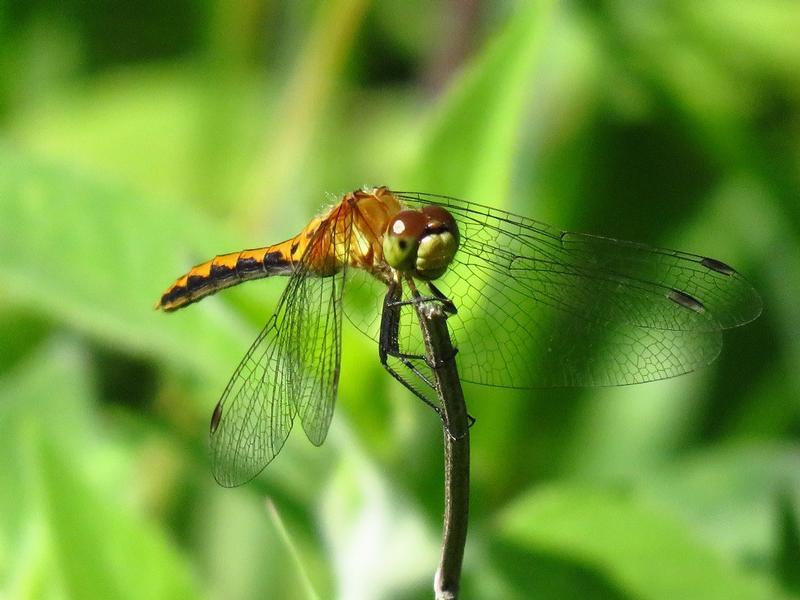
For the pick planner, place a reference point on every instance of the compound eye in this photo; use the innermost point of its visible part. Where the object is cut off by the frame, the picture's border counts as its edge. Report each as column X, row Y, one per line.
column 401, row 239
column 439, row 220
column 438, row 245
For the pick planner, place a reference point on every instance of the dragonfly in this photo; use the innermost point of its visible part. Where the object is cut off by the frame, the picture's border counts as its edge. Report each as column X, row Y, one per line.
column 529, row 305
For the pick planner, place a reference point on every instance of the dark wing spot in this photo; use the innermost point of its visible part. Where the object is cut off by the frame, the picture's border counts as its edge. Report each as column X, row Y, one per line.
column 275, row 259
column 216, row 416
column 685, row 300
column 293, row 249
column 718, row 266
column 248, row 265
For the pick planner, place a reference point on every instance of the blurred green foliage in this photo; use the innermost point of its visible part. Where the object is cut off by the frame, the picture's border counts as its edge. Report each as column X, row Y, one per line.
column 137, row 139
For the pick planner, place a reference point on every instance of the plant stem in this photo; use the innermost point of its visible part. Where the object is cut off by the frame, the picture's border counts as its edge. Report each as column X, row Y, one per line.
column 441, row 357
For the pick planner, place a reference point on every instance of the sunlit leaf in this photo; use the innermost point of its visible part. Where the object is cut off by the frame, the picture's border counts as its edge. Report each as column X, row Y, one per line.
column 789, row 546
column 644, row 552
column 76, row 536
column 96, row 256
column 371, row 532
column 469, row 149
column 102, row 550
column 728, row 495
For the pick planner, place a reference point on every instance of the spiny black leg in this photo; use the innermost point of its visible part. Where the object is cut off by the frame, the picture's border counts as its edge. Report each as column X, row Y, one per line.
column 470, row 422
column 417, row 300
column 447, row 304
column 405, row 360
column 436, row 296
column 450, row 309
column 411, row 388
column 389, row 345
column 390, row 322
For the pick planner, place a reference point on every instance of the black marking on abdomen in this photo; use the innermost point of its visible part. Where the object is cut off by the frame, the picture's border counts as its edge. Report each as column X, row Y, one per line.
column 174, row 294
column 685, row 300
column 218, row 272
column 220, row 276
column 195, row 282
column 718, row 266
column 274, row 260
column 248, row 265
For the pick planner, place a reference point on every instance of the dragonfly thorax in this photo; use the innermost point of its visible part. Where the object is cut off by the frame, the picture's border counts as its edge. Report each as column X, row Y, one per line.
column 421, row 242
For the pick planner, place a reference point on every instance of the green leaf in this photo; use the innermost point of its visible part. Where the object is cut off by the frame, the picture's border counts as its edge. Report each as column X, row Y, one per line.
column 102, row 550
column 301, row 113
column 788, row 560
column 771, row 46
column 727, row 495
column 20, row 334
column 470, row 147
column 645, row 552
column 49, row 392
column 73, row 535
column 96, row 256
column 370, row 531
column 291, row 549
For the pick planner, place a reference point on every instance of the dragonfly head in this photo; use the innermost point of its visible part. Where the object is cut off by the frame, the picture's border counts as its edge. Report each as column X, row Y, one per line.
column 421, row 242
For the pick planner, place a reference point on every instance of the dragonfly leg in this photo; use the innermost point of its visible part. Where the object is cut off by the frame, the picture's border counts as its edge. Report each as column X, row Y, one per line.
column 407, row 358
column 449, row 308
column 422, row 377
column 389, row 345
column 416, row 300
column 432, row 364
column 390, row 322
column 411, row 388
column 448, row 305
column 435, row 296
column 435, row 364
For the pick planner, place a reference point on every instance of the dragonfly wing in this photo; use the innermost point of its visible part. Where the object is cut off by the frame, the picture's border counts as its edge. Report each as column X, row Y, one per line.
column 539, row 307
column 313, row 335
column 255, row 413
column 512, row 341
column 291, row 369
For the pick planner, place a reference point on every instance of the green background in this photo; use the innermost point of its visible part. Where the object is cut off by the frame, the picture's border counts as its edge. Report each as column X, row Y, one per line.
column 138, row 138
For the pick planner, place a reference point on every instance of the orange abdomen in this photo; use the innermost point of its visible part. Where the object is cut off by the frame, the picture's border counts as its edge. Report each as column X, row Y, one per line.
column 227, row 270
column 330, row 234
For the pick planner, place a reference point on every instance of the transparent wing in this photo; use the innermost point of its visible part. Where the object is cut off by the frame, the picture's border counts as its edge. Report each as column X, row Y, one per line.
column 539, row 307
column 255, row 414
column 291, row 369
column 313, row 335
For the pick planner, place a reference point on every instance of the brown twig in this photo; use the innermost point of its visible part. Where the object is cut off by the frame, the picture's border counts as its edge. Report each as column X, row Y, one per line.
column 441, row 356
